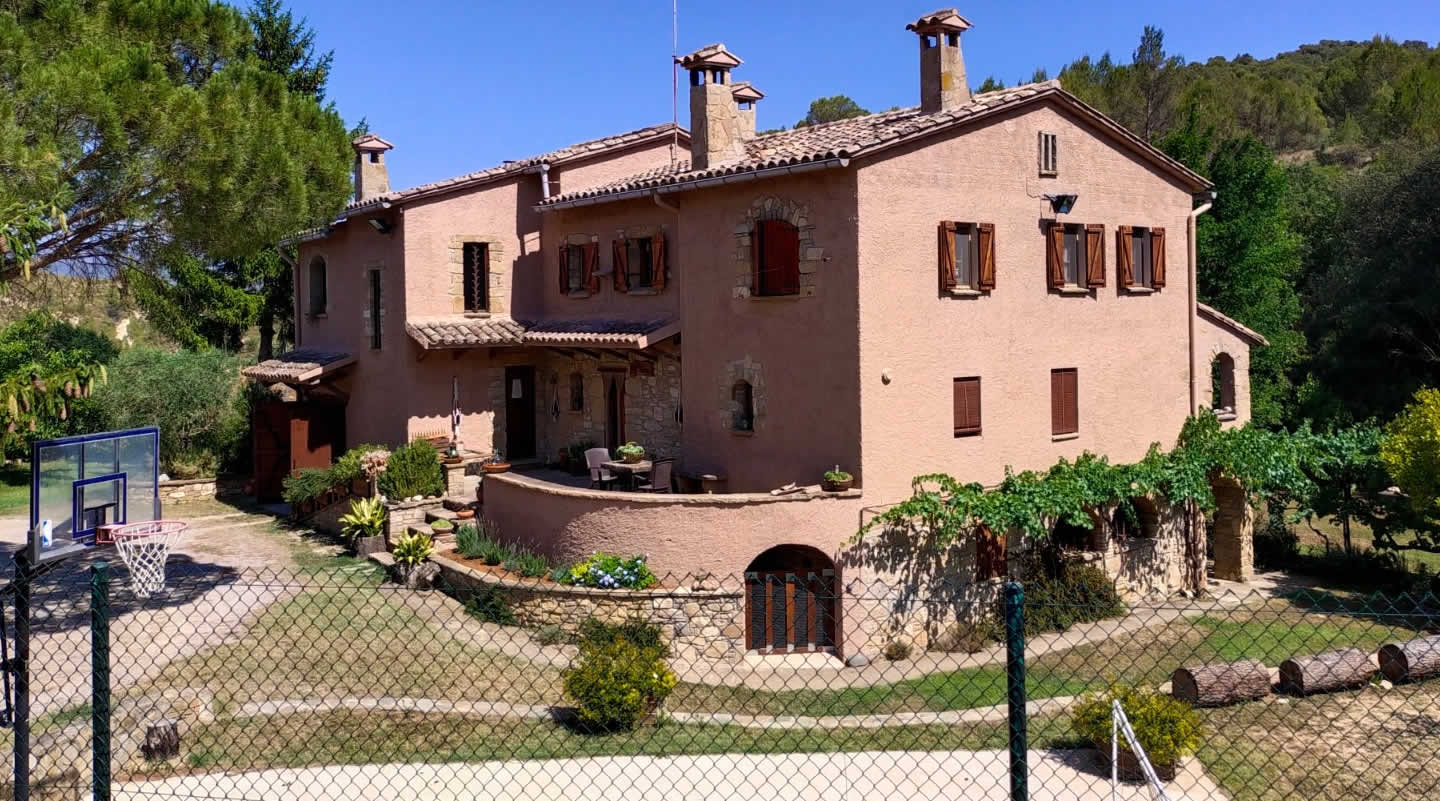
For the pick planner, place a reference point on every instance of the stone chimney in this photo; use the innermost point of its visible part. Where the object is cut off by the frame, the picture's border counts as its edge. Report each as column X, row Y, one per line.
column 371, row 179
column 746, row 96
column 942, row 65
column 715, row 125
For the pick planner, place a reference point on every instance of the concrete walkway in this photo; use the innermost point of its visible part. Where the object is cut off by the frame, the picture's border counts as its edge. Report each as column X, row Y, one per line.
column 503, row 709
column 865, row 776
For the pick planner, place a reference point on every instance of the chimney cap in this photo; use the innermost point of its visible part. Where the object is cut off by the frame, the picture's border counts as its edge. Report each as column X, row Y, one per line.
column 945, row 20
column 711, row 56
column 745, row 92
column 370, row 141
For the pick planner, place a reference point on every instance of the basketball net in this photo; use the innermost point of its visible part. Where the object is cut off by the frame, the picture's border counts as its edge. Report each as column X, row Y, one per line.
column 143, row 548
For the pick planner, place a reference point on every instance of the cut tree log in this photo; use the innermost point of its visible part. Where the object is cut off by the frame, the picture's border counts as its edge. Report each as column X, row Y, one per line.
column 162, row 740
column 1411, row 661
column 1332, row 670
column 1217, row 685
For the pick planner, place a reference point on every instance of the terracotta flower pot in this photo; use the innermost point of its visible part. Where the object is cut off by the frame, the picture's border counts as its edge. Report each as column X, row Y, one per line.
column 368, row 545
column 465, row 514
column 837, row 486
column 1129, row 767
column 495, row 467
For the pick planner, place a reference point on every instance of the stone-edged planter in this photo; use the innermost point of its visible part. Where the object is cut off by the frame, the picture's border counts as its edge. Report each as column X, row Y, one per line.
column 438, row 531
column 1129, row 766
column 495, row 467
column 364, row 546
column 837, row 486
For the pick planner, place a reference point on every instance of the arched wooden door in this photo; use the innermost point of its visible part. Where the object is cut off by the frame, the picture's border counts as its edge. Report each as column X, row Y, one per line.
column 792, row 601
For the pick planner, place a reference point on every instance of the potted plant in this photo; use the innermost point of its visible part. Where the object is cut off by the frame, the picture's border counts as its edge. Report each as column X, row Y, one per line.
column 496, row 463
column 410, row 554
column 452, row 453
column 365, row 525
column 837, row 480
column 630, row 452
column 442, row 527
column 1166, row 728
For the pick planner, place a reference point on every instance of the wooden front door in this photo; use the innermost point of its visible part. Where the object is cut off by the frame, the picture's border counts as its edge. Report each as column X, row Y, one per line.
column 519, row 413
column 289, row 437
column 792, row 610
column 614, row 409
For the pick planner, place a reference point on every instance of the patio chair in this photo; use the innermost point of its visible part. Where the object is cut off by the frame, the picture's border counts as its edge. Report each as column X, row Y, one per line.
column 659, row 476
column 599, row 477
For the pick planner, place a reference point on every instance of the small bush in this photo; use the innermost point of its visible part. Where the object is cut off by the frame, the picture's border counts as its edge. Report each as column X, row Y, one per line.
column 491, row 606
column 596, row 632
column 608, row 572
column 1166, row 728
column 491, row 552
column 527, row 563
column 413, row 549
column 551, row 634
column 366, row 518
column 442, row 525
column 413, row 470
column 306, row 485
column 1068, row 594
column 561, row 572
column 898, row 649
column 468, row 540
column 615, row 684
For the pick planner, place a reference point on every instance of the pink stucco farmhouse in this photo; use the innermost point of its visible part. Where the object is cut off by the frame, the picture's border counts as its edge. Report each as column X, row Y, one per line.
column 975, row 282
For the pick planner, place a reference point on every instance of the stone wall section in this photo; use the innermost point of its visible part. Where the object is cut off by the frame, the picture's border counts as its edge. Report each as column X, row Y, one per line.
column 812, row 255
column 499, row 301
column 700, row 619
column 185, row 490
column 652, row 402
column 401, row 516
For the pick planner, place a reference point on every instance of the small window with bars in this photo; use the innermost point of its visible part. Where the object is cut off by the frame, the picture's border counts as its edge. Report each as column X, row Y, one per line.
column 1049, row 153
column 575, row 268
column 475, row 275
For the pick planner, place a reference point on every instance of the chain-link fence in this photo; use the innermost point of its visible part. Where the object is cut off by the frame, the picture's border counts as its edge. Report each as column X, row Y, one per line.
column 787, row 684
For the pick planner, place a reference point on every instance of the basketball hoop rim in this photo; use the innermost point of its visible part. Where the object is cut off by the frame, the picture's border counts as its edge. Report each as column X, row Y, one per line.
column 157, row 528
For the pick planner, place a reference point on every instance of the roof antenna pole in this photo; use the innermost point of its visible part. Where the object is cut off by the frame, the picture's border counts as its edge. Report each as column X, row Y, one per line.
column 674, row 83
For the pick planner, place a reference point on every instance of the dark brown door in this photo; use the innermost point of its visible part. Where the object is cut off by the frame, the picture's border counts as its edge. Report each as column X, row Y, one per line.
column 270, row 438
column 317, row 435
column 792, row 610
column 614, row 410
column 519, row 413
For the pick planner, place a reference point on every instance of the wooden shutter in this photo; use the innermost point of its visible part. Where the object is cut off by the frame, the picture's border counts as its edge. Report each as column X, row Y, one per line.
column 779, row 262
column 620, row 258
column 947, row 256
column 592, row 268
column 1124, row 260
column 564, row 269
column 1157, row 257
column 967, row 406
column 986, row 278
column 757, row 256
column 657, row 262
column 1064, row 414
column 1094, row 255
column 1055, row 254
column 990, row 557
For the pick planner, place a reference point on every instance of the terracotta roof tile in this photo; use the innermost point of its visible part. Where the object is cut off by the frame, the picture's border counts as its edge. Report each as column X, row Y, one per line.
column 304, row 364
column 1241, row 330
column 468, row 332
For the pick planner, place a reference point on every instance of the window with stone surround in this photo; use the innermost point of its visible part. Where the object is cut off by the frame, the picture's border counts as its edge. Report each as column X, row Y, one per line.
column 577, row 392
column 776, row 259
column 318, row 287
column 476, row 276
column 742, row 402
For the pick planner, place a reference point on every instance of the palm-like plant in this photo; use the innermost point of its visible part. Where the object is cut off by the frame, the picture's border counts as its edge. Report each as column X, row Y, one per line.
column 366, row 518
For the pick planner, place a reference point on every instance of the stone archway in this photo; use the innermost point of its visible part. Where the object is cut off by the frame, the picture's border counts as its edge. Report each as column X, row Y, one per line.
column 1233, row 531
column 792, row 601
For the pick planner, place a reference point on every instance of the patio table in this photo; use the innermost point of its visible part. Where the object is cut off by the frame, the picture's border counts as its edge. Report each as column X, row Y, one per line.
column 629, row 470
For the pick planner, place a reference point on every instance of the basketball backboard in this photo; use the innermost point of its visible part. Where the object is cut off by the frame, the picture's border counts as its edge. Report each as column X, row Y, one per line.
column 81, row 483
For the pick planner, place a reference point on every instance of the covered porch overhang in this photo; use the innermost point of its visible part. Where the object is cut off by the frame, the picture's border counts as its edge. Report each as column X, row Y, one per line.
column 594, row 338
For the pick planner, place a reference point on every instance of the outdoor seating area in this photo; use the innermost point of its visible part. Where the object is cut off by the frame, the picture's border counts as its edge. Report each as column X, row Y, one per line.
column 632, row 473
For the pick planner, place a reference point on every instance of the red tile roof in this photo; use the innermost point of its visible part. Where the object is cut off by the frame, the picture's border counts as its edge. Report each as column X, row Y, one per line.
column 298, row 366
column 458, row 331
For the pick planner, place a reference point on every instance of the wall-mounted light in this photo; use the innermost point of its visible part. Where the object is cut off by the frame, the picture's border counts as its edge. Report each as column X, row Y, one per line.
column 1062, row 204
column 381, row 225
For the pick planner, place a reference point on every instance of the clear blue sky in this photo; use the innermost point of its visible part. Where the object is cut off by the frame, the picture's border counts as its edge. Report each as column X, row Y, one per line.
column 460, row 85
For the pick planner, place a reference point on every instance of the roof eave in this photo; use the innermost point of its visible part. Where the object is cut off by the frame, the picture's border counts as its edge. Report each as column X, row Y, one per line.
column 697, row 183
column 1250, row 335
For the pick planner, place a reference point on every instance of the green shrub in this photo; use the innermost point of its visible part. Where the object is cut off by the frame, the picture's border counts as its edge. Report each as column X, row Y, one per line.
column 898, row 649
column 413, row 549
column 615, row 684
column 1277, row 546
column 551, row 634
column 1166, row 728
column 837, row 475
column 305, row 485
column 1410, row 450
column 608, row 572
column 489, row 605
column 467, row 541
column 194, row 397
column 637, row 632
column 366, row 518
column 40, row 341
column 527, row 563
column 412, row 470
column 492, row 552
column 442, row 525
column 350, row 465
column 1069, row 593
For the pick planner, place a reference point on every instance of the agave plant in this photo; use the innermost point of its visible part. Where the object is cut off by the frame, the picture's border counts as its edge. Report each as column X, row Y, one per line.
column 366, row 518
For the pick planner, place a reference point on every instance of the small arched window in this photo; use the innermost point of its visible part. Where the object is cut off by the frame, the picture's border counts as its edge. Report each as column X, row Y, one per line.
column 318, row 300
column 742, row 406
column 577, row 392
column 1222, row 385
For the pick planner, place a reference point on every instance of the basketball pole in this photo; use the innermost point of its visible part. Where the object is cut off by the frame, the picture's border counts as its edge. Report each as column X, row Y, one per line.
column 20, row 666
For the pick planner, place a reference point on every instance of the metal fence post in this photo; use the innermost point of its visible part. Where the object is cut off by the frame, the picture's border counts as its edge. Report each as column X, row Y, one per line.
column 1015, row 683
column 100, row 679
column 20, row 667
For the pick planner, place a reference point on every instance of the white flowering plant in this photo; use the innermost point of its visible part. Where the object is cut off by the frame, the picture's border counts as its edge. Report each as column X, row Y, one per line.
column 610, row 572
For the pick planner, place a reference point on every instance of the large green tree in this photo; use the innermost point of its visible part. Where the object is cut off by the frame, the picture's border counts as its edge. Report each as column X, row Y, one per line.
column 830, row 109
column 154, row 128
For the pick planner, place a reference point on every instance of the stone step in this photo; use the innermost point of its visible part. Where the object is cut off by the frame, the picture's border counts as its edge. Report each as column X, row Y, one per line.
column 382, row 558
column 439, row 514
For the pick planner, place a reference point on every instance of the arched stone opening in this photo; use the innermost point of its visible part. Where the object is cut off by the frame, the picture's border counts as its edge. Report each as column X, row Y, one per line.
column 1232, row 531
column 1222, row 385
column 792, row 601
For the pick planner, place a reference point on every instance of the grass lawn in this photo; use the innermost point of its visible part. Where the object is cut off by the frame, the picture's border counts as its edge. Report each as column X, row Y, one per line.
column 1361, row 537
column 14, row 489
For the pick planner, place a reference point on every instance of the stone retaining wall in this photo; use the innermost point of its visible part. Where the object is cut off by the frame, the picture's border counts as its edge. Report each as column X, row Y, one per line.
column 400, row 516
column 184, row 490
column 700, row 619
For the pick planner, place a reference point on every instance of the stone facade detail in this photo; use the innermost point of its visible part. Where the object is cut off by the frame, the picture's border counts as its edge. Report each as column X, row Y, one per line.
column 699, row 619
column 196, row 489
column 812, row 255
column 652, row 403
column 717, row 133
column 499, row 302
column 750, row 371
column 1234, row 532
